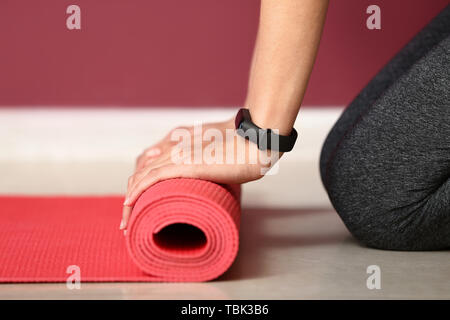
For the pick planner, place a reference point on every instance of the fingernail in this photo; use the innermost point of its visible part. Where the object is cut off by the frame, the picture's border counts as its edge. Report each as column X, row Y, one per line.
column 122, row 225
column 125, row 203
column 153, row 152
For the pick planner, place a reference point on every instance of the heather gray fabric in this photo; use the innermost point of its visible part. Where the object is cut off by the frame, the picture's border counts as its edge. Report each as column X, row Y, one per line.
column 386, row 162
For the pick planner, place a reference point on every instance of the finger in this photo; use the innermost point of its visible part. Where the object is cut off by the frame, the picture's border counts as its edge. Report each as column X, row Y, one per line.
column 139, row 175
column 132, row 180
column 152, row 152
column 156, row 175
column 139, row 162
column 147, row 156
column 126, row 212
column 154, row 162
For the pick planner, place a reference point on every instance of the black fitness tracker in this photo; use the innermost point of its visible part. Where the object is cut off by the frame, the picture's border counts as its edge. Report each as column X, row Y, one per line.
column 263, row 138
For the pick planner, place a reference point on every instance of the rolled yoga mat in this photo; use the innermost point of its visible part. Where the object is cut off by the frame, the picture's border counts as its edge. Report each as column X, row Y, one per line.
column 180, row 230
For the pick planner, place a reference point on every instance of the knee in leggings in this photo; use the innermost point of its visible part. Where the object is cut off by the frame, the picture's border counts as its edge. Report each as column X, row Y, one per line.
column 370, row 233
column 394, row 229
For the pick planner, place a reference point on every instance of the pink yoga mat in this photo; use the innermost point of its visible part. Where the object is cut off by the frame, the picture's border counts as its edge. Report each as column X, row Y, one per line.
column 180, row 230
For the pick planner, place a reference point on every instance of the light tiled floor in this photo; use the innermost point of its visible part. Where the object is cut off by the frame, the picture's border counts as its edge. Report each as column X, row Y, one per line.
column 284, row 254
column 287, row 250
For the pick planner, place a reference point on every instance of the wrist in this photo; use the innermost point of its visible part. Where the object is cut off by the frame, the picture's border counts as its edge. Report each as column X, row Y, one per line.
column 268, row 138
column 272, row 117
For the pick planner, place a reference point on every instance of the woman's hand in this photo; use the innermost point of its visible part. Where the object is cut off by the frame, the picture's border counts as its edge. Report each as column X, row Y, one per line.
column 211, row 152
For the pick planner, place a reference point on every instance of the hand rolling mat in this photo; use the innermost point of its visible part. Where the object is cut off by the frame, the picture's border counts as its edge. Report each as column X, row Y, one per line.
column 180, row 230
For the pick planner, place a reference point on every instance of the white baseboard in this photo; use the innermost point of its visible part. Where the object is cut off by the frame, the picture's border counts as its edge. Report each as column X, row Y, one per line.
column 76, row 151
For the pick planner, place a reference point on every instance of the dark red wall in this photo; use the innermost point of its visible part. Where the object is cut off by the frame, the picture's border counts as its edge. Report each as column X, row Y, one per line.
column 180, row 52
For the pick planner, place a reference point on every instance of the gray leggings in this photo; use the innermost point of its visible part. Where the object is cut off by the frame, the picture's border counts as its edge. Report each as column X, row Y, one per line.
column 386, row 162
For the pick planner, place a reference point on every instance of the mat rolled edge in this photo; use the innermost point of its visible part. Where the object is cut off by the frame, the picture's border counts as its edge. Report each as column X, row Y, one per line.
column 212, row 208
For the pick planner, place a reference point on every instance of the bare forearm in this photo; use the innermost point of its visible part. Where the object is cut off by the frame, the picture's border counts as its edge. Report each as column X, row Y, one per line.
column 288, row 38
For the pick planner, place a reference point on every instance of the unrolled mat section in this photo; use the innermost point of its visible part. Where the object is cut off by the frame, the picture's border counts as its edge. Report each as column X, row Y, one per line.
column 180, row 230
